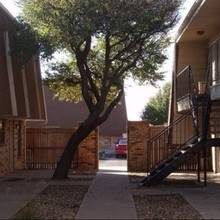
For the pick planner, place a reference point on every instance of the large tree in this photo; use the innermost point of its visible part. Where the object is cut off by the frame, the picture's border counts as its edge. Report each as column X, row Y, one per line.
column 156, row 109
column 106, row 41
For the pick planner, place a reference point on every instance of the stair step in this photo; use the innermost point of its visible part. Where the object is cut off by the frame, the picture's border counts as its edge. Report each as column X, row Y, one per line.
column 178, row 154
column 172, row 163
column 161, row 166
column 153, row 173
column 170, row 160
column 187, row 148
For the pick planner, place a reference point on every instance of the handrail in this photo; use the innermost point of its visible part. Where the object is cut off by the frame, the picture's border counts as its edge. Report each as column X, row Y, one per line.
column 173, row 124
column 159, row 148
column 193, row 139
column 186, row 85
column 160, row 142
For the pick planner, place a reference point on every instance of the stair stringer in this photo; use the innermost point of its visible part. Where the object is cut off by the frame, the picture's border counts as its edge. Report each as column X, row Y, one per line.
column 172, row 163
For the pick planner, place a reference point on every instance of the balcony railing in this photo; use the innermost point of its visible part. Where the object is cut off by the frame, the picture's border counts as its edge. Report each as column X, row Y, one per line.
column 185, row 85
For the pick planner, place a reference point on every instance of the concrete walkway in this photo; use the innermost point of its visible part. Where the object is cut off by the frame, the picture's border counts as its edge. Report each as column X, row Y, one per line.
column 109, row 197
column 18, row 188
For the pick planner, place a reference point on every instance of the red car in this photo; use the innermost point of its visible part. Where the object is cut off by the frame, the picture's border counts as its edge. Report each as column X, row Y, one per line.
column 121, row 148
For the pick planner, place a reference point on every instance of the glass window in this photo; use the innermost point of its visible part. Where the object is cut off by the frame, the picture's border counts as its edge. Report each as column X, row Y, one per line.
column 123, row 141
column 215, row 62
column 218, row 62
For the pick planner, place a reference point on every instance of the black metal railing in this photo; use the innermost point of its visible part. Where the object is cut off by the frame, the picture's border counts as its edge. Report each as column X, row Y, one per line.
column 160, row 147
column 180, row 133
column 185, row 86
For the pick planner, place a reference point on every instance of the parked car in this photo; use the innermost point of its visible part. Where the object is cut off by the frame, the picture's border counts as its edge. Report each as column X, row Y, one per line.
column 121, row 148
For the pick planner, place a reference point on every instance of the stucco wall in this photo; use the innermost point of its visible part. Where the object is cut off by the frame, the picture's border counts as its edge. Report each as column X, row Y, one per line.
column 194, row 54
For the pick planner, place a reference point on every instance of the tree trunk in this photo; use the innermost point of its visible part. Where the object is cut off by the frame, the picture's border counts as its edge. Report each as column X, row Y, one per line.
column 93, row 121
column 64, row 163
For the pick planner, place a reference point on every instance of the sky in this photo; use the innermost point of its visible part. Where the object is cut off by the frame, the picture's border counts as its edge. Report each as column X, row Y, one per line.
column 136, row 97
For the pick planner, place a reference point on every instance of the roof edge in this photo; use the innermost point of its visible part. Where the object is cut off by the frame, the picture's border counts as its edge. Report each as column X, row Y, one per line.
column 192, row 12
column 7, row 11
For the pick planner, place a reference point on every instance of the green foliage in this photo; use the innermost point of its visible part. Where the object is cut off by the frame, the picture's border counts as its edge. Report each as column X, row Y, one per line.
column 28, row 43
column 65, row 81
column 108, row 40
column 156, row 110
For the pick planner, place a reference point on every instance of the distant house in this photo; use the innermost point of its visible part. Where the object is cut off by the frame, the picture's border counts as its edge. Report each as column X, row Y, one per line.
column 21, row 99
column 69, row 115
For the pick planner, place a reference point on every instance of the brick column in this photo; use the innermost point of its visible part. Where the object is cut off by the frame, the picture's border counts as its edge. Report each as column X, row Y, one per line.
column 138, row 136
column 88, row 159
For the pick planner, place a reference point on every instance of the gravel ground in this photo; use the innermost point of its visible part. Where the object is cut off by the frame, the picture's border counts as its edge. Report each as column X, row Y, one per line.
column 63, row 201
column 155, row 202
column 164, row 206
column 56, row 202
column 60, row 200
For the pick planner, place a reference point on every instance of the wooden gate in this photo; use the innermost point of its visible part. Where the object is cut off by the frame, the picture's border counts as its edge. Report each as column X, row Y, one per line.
column 45, row 147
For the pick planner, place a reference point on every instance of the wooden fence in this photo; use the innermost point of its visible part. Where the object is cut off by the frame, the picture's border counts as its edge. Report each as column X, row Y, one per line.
column 45, row 147
column 161, row 150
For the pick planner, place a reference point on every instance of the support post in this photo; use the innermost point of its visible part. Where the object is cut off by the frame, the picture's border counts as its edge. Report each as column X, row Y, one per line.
column 199, row 168
column 205, row 168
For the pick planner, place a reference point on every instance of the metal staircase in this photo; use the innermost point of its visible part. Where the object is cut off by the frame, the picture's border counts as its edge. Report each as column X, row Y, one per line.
column 174, row 157
column 172, row 163
column 201, row 107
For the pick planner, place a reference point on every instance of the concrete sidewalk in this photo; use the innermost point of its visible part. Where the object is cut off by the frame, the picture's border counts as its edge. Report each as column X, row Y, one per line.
column 18, row 188
column 110, row 193
column 109, row 197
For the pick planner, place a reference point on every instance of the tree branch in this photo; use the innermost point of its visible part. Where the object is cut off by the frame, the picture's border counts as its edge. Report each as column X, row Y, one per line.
column 85, row 88
column 111, row 106
column 107, row 62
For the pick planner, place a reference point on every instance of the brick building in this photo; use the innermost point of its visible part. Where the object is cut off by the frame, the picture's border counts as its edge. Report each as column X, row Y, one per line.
column 21, row 98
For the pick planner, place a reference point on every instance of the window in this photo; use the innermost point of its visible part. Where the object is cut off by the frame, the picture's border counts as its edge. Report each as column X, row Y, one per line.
column 1, row 131
column 215, row 62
